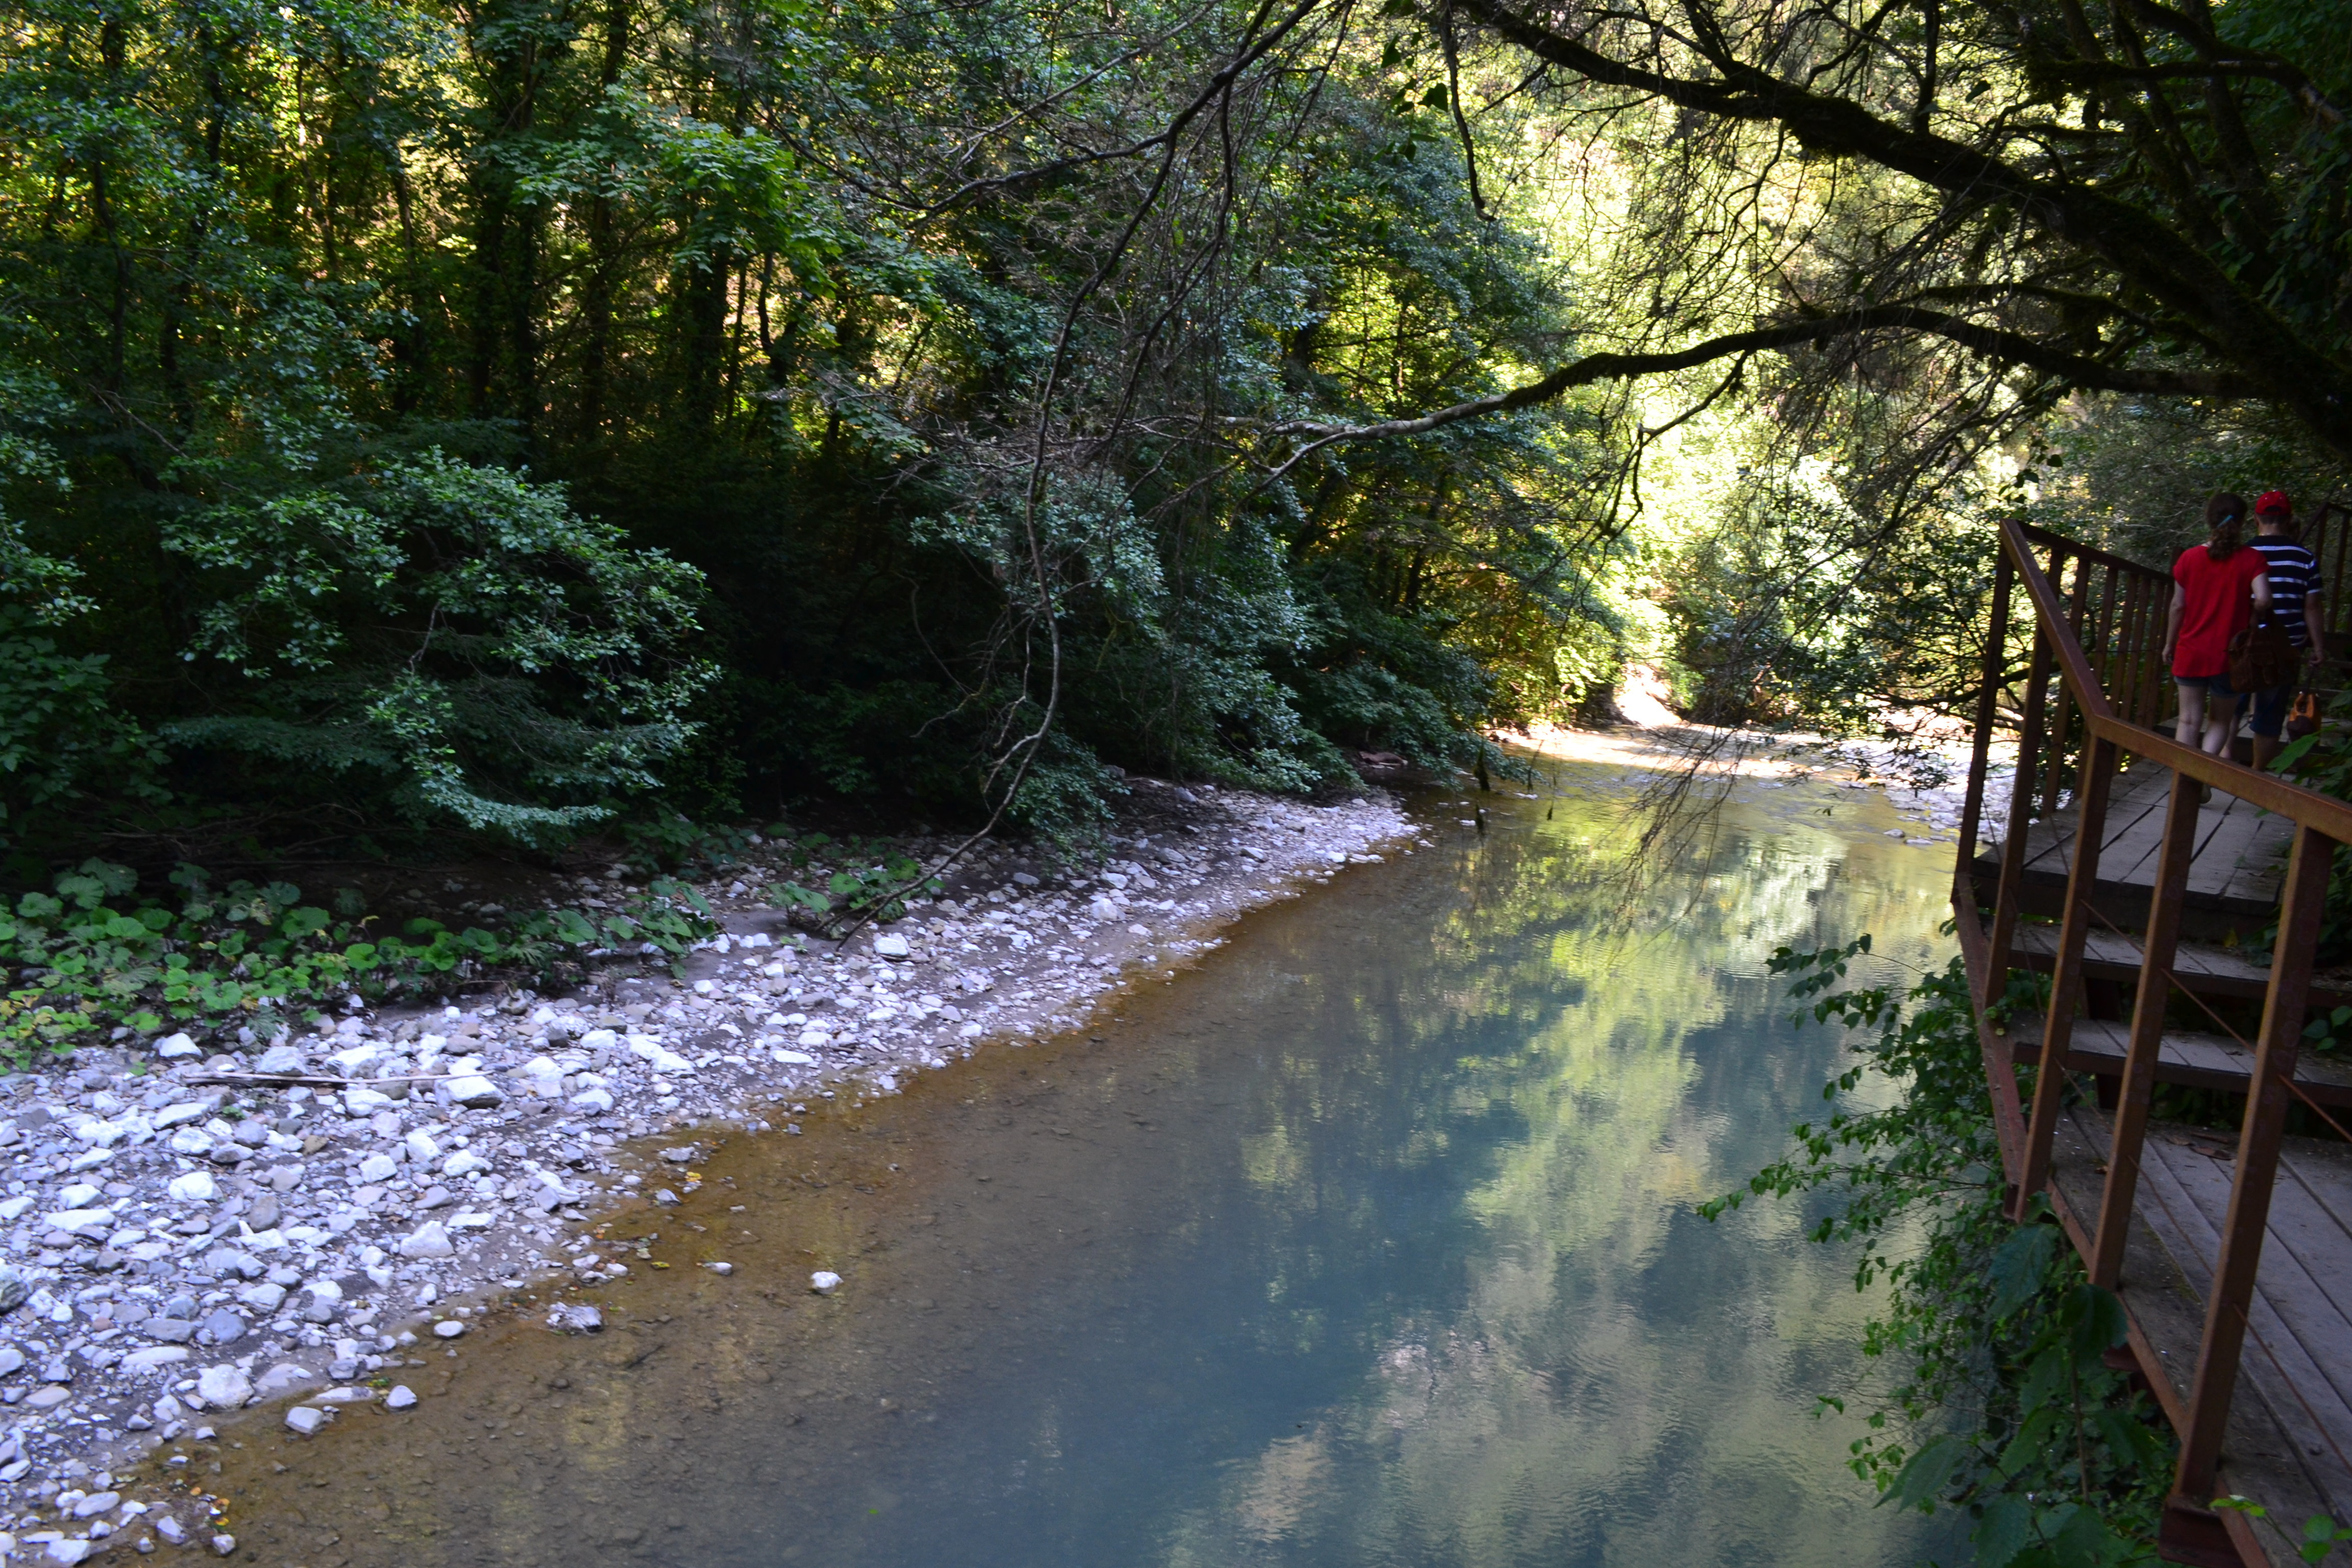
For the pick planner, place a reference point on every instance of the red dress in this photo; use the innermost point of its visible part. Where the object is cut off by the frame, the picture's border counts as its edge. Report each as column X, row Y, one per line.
column 2220, row 605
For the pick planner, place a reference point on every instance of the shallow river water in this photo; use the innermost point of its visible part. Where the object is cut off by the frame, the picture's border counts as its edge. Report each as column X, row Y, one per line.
column 1367, row 1241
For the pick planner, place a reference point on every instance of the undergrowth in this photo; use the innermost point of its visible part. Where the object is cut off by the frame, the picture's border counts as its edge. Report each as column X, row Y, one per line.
column 2003, row 1406
column 93, row 959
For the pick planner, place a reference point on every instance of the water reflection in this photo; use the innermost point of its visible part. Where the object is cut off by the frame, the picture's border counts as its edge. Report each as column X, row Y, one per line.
column 1369, row 1243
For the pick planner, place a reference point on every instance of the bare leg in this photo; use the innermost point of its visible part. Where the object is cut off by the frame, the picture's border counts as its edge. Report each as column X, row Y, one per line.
column 2189, row 729
column 2221, row 725
column 2266, row 749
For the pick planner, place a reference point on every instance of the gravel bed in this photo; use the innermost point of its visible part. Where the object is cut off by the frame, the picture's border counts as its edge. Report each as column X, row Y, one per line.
column 180, row 1239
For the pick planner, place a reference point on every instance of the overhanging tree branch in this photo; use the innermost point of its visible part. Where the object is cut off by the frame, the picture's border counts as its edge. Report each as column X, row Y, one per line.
column 1994, row 342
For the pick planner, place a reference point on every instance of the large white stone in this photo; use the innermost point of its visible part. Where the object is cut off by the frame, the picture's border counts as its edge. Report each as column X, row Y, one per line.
column 152, row 1357
column 302, row 1418
column 421, row 1148
column 379, row 1168
column 428, row 1240
column 472, row 1089
column 174, row 1046
column 224, row 1387
column 92, row 1223
column 195, row 1187
column 463, row 1163
column 892, row 947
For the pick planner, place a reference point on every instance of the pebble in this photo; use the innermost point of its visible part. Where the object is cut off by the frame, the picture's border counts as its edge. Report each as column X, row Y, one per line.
column 302, row 1418
column 448, row 1328
column 402, row 1397
column 224, row 1544
column 277, row 1193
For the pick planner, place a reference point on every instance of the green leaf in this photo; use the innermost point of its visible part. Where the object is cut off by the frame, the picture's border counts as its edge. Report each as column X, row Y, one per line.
column 1929, row 1471
column 2019, row 1265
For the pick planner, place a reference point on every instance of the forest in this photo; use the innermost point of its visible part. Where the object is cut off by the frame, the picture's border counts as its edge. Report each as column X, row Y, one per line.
column 433, row 425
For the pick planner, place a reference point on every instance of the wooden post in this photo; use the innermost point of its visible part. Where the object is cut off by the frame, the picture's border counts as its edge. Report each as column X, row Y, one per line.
column 2123, row 684
column 2066, row 974
column 1996, row 664
column 2138, row 1085
column 2061, row 704
column 2020, row 818
column 2268, row 1096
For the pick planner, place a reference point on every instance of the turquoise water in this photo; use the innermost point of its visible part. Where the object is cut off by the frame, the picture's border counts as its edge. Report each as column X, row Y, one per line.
column 1370, row 1241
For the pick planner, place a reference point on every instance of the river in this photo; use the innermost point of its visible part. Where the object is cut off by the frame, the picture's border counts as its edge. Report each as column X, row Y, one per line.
column 1367, row 1240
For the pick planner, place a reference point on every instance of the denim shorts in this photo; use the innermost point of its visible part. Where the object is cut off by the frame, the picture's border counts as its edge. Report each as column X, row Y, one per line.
column 2211, row 684
column 2270, row 709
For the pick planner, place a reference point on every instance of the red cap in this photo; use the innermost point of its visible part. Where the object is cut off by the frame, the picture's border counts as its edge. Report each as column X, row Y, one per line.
column 2273, row 501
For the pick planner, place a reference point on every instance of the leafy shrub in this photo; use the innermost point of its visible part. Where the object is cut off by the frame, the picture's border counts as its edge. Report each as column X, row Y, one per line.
column 250, row 956
column 2004, row 1405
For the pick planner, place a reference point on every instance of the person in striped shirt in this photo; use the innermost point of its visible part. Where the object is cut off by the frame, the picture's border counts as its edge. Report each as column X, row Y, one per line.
column 2294, row 603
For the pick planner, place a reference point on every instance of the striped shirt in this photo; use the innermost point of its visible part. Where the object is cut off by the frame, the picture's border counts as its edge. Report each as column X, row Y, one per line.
column 2294, row 573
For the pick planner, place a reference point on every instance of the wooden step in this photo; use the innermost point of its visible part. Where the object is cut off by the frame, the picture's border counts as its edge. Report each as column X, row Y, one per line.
column 2194, row 1060
column 2206, row 970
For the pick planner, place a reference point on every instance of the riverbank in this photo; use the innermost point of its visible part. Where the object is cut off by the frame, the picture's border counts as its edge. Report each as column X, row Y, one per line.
column 198, row 1233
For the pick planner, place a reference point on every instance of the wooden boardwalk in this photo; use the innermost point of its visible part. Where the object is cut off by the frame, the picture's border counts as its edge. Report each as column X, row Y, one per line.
column 2289, row 1440
column 2233, row 885
column 2228, row 1241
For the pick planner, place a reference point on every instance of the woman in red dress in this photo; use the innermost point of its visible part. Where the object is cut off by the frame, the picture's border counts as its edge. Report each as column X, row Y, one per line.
column 2218, row 589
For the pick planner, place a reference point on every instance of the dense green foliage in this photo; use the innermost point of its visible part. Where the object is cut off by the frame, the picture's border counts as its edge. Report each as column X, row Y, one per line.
column 487, row 417
column 2002, row 1404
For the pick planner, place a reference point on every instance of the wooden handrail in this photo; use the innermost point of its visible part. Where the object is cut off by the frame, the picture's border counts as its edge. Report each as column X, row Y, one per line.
column 2305, row 807
column 2129, row 610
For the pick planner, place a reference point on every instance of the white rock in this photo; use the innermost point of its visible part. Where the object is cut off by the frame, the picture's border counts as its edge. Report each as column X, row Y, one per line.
column 463, row 1163
column 264, row 1297
column 592, row 1100
column 191, row 1140
column 892, row 947
column 647, row 1048
column 14, row 1209
column 421, row 1148
column 150, row 1358
column 824, row 1281
column 195, row 1187
column 402, row 1397
column 364, row 1101
column 428, row 1240
column 172, row 1046
column 224, row 1544
column 379, row 1168
column 171, row 1530
column 448, row 1328
column 92, row 1223
column 812, row 1037
column 599, row 1040
column 224, row 1387
column 472, row 1089
column 353, row 1058
column 95, row 1504
column 65, row 1548
column 187, row 1110
column 80, row 1196
column 796, row 1059
column 302, row 1418
column 720, row 1267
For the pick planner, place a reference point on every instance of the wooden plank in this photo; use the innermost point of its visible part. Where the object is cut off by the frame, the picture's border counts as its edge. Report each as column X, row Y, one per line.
column 2164, row 1314
column 2213, row 971
column 2195, row 1060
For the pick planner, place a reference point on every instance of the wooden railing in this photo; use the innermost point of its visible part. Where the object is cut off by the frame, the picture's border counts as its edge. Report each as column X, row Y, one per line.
column 2097, row 626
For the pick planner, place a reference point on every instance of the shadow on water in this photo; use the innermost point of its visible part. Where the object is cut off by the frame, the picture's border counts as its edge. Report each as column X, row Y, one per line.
column 1367, row 1242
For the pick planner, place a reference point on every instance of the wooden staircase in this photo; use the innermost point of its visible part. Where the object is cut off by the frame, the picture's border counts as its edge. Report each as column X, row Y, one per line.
column 2231, row 1250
